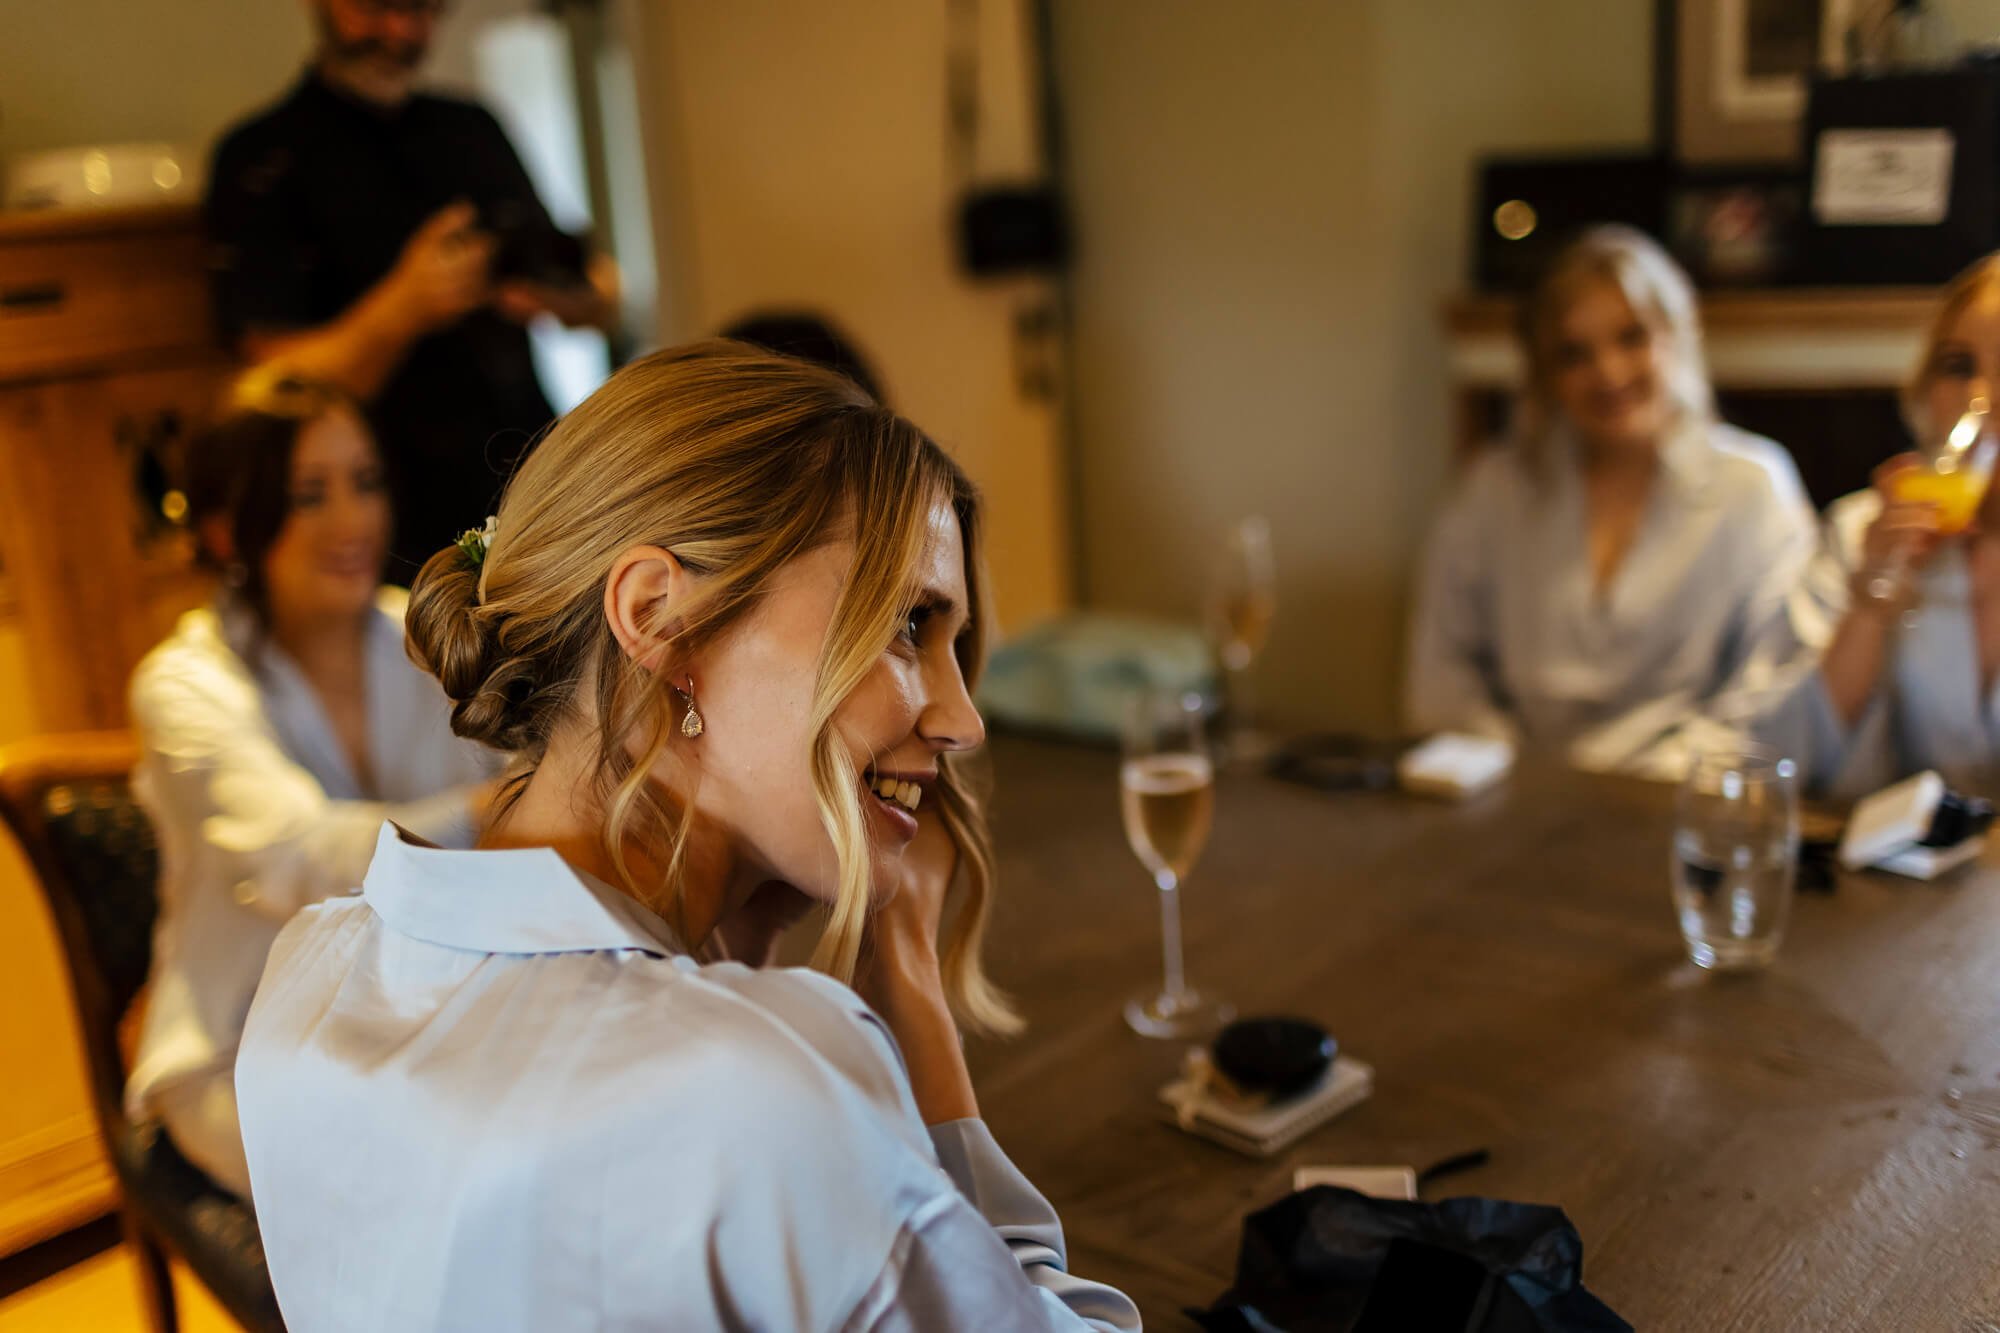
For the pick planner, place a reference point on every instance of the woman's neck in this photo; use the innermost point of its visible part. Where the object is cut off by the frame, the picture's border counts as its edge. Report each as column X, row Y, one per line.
column 557, row 809
column 1616, row 462
column 330, row 652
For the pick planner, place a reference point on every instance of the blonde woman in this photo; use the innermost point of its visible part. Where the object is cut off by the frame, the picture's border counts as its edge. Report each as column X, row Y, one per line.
column 1611, row 586
column 279, row 727
column 1909, row 681
column 727, row 619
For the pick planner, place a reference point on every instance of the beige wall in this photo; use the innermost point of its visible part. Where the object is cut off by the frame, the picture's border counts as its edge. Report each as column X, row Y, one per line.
column 94, row 71
column 84, row 71
column 1272, row 201
column 802, row 152
column 1975, row 20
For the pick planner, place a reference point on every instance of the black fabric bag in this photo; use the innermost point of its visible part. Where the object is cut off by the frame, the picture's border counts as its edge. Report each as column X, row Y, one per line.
column 1329, row 1260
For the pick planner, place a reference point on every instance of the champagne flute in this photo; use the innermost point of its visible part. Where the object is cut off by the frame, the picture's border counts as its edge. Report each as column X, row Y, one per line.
column 1242, row 601
column 1167, row 789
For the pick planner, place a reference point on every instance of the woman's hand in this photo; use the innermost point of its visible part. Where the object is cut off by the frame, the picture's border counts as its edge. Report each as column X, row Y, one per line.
column 590, row 303
column 1901, row 540
column 903, row 930
column 898, row 976
column 442, row 274
column 1905, row 535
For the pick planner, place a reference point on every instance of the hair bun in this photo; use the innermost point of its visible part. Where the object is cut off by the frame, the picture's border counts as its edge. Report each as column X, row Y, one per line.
column 448, row 636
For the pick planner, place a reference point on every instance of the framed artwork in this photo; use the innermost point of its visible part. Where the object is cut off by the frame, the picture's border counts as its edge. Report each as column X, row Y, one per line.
column 1732, row 74
column 1736, row 228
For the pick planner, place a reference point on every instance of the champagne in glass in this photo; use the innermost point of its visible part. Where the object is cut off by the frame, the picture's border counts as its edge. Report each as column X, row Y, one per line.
column 1169, row 804
column 1167, row 791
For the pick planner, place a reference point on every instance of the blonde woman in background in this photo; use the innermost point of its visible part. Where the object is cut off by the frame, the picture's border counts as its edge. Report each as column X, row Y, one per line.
column 1611, row 585
column 728, row 620
column 279, row 728
column 1908, row 681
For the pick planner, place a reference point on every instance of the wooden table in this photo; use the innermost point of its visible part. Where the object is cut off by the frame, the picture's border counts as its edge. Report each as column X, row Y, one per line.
column 1814, row 1147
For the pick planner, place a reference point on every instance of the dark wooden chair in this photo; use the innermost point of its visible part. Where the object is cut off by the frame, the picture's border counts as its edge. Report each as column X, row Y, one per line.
column 92, row 850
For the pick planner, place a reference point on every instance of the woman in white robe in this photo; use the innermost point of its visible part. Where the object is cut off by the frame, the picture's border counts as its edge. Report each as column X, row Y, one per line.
column 1610, row 586
column 278, row 728
column 1909, row 610
column 728, row 619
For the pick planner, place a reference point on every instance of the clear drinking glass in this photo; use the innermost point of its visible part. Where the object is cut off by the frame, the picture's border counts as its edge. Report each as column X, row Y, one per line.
column 1167, row 790
column 1735, row 856
column 1242, row 599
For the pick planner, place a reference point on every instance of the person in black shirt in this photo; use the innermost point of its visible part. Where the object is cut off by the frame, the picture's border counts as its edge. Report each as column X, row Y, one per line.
column 390, row 242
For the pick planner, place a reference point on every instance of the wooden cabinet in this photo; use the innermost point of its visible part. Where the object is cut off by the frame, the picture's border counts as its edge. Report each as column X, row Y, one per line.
column 106, row 362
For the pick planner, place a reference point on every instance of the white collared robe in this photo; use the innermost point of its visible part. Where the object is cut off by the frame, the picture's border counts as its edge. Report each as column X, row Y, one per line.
column 493, row 1094
column 1512, row 637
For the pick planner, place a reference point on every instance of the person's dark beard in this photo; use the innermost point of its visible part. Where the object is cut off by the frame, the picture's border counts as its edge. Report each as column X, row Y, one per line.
column 360, row 51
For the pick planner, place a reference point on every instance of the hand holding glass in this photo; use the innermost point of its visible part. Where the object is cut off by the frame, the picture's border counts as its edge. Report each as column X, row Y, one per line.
column 1952, row 477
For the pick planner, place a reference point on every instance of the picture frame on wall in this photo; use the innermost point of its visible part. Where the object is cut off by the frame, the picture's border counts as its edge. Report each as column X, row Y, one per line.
column 1736, row 227
column 1732, row 75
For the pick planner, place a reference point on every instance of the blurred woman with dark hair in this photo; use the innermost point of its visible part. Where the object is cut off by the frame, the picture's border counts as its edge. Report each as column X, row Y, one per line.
column 279, row 727
column 1612, row 585
column 808, row 337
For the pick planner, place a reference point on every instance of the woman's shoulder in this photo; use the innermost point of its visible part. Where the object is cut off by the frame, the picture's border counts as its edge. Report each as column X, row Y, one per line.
column 1849, row 518
column 418, row 706
column 1756, row 466
column 393, row 604
column 701, row 1120
column 196, row 661
column 1494, row 468
column 769, row 1104
column 389, row 629
column 795, row 1012
column 728, row 1045
column 1499, row 477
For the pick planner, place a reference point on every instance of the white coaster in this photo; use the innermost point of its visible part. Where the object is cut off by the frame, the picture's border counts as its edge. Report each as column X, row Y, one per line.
column 1263, row 1130
column 1454, row 766
column 1379, row 1182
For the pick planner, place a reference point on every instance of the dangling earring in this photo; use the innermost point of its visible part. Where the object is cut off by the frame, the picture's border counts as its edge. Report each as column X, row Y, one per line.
column 691, row 725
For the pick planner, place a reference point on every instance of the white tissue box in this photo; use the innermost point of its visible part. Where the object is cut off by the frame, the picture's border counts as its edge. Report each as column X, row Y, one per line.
column 1455, row 766
column 1930, row 862
column 1887, row 829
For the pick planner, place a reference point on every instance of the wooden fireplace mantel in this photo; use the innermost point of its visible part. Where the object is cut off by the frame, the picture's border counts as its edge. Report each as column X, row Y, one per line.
column 1803, row 339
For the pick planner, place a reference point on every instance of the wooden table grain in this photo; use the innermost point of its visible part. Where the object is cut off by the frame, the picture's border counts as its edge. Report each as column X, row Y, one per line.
column 1813, row 1147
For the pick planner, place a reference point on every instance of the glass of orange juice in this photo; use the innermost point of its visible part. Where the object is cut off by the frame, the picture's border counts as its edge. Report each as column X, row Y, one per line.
column 1955, row 471
column 1953, row 478
column 1956, row 494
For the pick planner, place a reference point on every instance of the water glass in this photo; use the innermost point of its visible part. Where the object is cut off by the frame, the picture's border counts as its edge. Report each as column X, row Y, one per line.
column 1735, row 856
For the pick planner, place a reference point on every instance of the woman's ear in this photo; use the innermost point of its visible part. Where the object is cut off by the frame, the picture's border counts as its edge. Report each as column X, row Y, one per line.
column 643, row 594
